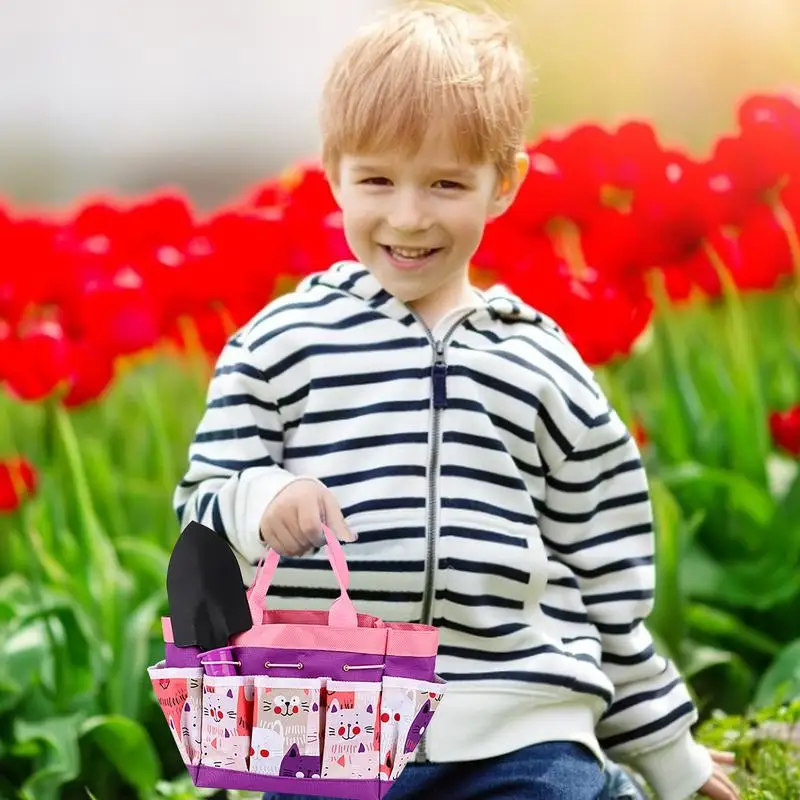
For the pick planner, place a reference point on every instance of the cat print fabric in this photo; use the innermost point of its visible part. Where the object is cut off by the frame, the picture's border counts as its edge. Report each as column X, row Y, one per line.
column 407, row 708
column 352, row 735
column 180, row 694
column 286, row 727
column 297, row 728
column 227, row 721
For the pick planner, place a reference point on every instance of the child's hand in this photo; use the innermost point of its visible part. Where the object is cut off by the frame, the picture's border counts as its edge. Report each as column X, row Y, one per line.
column 719, row 786
column 292, row 523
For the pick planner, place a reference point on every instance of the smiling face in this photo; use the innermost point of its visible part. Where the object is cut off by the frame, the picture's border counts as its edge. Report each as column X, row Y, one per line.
column 415, row 222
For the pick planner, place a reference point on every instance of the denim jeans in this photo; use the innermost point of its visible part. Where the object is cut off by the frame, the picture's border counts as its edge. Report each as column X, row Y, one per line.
column 551, row 771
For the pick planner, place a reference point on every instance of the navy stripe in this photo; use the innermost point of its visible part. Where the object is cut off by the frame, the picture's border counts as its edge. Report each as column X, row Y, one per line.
column 202, row 504
column 629, row 661
column 390, row 534
column 481, row 535
column 232, row 400
column 354, row 564
column 633, row 465
column 338, row 414
column 343, row 324
column 486, row 633
column 609, row 569
column 357, row 595
column 510, row 655
column 399, row 471
column 599, row 452
column 529, row 677
column 674, row 715
column 483, row 476
column 640, row 698
column 239, row 368
column 288, row 308
column 248, row 432
column 617, row 597
column 609, row 628
column 315, row 350
column 487, row 508
column 368, row 378
column 365, row 442
column 603, row 505
column 596, row 541
column 486, row 568
column 233, row 465
column 384, row 504
column 473, row 600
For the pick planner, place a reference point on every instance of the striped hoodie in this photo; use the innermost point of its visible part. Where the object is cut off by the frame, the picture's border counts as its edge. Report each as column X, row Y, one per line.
column 494, row 492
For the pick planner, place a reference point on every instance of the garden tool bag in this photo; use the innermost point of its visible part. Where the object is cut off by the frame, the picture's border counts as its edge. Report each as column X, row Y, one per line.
column 329, row 704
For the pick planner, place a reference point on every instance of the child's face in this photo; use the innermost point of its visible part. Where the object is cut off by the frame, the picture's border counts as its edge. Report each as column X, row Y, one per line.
column 415, row 222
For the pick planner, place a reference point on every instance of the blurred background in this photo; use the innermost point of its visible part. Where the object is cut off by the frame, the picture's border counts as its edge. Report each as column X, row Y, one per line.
column 212, row 96
column 677, row 278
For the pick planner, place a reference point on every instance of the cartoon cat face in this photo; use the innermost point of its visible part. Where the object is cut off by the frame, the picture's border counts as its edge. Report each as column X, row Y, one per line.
column 353, row 725
column 285, row 705
column 267, row 749
column 294, row 765
column 220, row 708
column 419, row 726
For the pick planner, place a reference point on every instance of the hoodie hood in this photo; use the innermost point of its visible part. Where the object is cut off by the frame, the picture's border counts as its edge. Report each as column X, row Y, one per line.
column 354, row 279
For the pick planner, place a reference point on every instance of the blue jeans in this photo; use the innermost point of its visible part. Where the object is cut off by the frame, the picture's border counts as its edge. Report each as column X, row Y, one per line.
column 551, row 771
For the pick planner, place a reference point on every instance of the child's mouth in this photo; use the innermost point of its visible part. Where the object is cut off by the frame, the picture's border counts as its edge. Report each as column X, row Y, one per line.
column 409, row 256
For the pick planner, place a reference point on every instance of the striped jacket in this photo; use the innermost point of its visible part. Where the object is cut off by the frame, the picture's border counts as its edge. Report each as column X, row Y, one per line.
column 494, row 492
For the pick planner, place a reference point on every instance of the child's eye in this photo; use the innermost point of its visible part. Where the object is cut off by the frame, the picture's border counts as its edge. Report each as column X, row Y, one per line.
column 449, row 185
column 376, row 181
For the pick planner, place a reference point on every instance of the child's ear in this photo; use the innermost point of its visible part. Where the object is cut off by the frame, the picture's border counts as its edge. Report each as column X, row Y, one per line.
column 508, row 186
column 332, row 176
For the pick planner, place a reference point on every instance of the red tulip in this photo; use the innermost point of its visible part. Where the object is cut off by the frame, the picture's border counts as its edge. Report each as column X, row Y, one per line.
column 91, row 374
column 785, row 429
column 18, row 481
column 37, row 362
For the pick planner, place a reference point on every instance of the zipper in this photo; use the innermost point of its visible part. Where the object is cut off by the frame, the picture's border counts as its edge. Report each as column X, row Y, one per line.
column 439, row 403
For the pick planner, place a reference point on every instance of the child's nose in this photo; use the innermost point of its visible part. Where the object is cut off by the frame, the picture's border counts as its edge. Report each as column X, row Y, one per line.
column 409, row 213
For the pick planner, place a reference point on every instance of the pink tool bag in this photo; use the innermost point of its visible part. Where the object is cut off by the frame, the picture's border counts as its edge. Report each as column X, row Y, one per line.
column 330, row 704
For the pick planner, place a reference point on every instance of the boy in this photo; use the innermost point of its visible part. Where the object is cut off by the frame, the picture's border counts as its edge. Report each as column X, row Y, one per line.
column 453, row 439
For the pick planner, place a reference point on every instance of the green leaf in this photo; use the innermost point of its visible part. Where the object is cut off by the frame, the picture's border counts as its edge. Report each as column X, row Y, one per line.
column 23, row 655
column 672, row 531
column 722, row 625
column 127, row 746
column 781, row 682
column 742, row 493
column 59, row 758
column 128, row 675
column 761, row 584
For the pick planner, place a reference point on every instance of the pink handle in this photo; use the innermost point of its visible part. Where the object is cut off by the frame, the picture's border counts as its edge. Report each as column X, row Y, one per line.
column 342, row 613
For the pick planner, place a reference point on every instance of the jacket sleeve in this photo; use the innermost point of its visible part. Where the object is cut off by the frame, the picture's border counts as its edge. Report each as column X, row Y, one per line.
column 598, row 520
column 235, row 458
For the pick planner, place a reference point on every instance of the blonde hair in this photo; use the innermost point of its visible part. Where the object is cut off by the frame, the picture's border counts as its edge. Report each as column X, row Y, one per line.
column 421, row 67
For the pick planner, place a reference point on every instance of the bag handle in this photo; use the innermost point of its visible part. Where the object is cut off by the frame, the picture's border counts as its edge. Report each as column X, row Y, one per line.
column 342, row 613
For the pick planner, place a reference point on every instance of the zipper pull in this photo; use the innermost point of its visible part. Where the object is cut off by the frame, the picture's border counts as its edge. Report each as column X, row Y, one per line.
column 439, row 378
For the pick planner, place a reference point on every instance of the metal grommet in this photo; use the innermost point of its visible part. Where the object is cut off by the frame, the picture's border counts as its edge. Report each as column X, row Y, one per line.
column 299, row 665
column 346, row 668
column 267, row 665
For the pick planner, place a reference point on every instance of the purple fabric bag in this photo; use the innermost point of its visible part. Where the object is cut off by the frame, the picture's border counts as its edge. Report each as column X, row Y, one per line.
column 329, row 704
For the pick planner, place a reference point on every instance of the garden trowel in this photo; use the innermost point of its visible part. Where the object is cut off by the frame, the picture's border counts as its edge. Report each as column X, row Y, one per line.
column 207, row 598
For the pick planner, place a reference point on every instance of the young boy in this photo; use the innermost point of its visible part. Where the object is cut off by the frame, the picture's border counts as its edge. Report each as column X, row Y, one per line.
column 455, row 441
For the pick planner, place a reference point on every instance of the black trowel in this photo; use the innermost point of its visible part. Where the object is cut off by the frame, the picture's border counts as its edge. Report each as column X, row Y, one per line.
column 207, row 598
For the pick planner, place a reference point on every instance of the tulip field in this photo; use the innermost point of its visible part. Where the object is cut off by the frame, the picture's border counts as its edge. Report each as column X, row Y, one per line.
column 676, row 276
